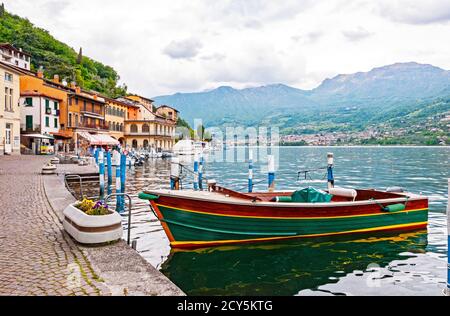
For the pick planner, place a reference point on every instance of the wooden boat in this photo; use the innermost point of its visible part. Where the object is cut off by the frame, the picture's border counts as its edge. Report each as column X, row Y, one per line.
column 219, row 216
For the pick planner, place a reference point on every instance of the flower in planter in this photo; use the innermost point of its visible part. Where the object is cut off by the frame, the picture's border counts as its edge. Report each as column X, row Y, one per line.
column 93, row 208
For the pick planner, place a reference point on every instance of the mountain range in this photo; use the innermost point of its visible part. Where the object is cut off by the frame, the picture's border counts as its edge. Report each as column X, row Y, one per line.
column 346, row 101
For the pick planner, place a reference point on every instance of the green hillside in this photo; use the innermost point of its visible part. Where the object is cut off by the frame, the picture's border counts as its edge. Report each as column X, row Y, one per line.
column 58, row 58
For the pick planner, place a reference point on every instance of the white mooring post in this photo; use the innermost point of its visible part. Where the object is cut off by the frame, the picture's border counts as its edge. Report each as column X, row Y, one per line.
column 175, row 174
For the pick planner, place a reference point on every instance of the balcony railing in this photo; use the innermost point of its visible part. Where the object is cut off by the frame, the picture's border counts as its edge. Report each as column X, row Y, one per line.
column 101, row 126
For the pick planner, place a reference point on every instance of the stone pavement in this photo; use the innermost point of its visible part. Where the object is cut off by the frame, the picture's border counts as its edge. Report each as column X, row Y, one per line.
column 36, row 256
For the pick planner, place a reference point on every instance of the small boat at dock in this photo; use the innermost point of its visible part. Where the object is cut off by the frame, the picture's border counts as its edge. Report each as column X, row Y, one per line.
column 220, row 216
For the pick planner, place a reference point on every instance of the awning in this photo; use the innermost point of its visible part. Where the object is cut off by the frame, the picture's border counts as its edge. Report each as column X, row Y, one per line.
column 38, row 136
column 99, row 139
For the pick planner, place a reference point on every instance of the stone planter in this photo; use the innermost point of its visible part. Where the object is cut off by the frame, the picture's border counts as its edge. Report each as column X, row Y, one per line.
column 54, row 160
column 88, row 229
column 49, row 169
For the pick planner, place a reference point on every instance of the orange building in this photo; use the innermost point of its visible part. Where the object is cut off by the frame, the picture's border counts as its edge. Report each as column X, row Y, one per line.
column 31, row 83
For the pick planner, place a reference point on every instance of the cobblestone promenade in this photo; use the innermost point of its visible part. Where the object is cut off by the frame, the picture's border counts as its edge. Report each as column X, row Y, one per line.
column 36, row 256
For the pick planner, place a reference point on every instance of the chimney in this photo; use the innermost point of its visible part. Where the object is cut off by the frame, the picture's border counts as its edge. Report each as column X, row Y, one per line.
column 73, row 85
column 40, row 73
column 95, row 97
column 77, row 90
column 56, row 79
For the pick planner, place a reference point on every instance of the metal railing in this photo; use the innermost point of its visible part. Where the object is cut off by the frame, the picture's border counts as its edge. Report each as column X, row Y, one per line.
column 74, row 176
column 130, row 203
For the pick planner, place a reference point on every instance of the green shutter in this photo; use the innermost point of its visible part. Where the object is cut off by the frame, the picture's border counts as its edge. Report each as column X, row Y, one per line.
column 29, row 122
column 29, row 101
column 47, row 121
column 55, row 104
column 56, row 122
column 47, row 103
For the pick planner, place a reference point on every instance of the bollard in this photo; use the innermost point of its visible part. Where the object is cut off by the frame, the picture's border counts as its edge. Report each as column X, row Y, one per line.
column 250, row 171
column 271, row 172
column 200, row 172
column 196, row 172
column 134, row 244
column 175, row 174
column 101, row 167
column 330, row 176
column 123, row 171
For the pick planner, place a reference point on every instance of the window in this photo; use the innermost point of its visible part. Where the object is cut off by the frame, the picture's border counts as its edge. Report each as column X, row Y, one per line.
column 76, row 101
column 84, row 105
column 8, row 77
column 133, row 128
column 47, row 121
column 29, row 102
column 56, row 123
column 10, row 100
column 70, row 120
column 55, row 105
column 29, row 122
column 6, row 99
column 145, row 128
column 47, row 103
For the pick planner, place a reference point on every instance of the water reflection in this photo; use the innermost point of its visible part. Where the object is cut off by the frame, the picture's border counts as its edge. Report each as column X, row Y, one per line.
column 285, row 268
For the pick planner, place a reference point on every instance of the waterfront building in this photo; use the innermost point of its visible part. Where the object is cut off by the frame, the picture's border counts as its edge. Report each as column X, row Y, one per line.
column 147, row 127
column 39, row 120
column 34, row 85
column 116, row 113
column 14, row 57
column 9, row 109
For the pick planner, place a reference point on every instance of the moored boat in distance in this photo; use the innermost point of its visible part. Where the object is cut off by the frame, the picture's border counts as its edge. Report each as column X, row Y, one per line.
column 219, row 216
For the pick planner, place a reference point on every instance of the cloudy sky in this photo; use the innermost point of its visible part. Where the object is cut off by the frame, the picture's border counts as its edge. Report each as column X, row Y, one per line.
column 163, row 47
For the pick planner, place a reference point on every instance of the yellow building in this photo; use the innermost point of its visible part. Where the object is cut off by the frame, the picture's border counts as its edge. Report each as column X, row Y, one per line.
column 150, row 128
column 9, row 109
column 116, row 113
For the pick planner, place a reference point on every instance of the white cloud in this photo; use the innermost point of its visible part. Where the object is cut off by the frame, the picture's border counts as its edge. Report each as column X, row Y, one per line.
column 165, row 47
column 416, row 12
column 356, row 34
column 183, row 49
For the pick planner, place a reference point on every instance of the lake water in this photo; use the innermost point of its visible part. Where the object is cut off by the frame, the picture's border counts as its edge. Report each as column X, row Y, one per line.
column 290, row 268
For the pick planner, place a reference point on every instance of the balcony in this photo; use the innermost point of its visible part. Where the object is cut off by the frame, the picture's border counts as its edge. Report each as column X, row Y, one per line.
column 92, row 114
column 101, row 126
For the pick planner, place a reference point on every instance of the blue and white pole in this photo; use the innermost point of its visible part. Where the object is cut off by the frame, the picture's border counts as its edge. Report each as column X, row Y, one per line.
column 448, row 242
column 118, row 187
column 123, row 171
column 196, row 172
column 271, row 172
column 96, row 155
column 200, row 172
column 250, row 171
column 330, row 176
column 109, row 162
column 101, row 167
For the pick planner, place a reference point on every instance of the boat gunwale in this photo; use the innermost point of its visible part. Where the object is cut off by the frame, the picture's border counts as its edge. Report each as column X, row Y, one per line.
column 236, row 201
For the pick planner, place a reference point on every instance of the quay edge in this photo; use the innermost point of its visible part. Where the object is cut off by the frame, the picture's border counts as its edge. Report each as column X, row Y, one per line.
column 119, row 266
